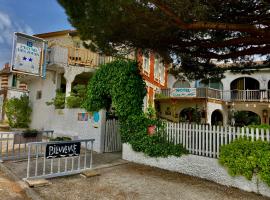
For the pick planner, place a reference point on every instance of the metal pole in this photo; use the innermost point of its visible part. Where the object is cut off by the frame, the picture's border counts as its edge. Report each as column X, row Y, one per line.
column 85, row 154
column 28, row 162
column 36, row 160
column 91, row 154
column 44, row 162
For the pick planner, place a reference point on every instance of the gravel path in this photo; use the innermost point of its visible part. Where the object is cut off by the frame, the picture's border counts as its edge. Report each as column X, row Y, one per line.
column 10, row 190
column 132, row 181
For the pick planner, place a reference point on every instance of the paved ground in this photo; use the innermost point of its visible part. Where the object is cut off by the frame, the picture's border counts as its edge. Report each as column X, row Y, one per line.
column 132, row 181
column 10, row 190
column 123, row 182
column 19, row 168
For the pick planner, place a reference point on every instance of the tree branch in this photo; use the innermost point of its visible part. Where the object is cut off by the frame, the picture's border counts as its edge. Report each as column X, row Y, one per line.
column 252, row 29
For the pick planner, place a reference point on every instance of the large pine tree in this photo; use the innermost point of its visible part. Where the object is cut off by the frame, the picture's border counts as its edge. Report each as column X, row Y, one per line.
column 197, row 33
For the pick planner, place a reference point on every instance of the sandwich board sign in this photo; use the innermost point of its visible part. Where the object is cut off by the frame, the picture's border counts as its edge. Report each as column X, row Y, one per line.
column 28, row 55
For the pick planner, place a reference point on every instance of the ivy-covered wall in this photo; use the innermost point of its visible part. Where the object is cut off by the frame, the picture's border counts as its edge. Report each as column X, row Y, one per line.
column 120, row 84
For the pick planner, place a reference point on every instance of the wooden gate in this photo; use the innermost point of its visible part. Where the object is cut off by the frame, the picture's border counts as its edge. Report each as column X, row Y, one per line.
column 112, row 136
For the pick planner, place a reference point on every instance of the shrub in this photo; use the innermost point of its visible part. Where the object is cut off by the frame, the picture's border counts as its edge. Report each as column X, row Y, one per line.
column 77, row 97
column 18, row 112
column 30, row 133
column 245, row 157
column 262, row 126
column 64, row 138
column 245, row 118
column 58, row 101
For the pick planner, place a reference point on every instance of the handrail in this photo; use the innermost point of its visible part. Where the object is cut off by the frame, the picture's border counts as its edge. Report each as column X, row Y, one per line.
column 226, row 95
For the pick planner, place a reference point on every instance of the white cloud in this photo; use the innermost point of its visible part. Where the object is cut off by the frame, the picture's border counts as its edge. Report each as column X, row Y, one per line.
column 7, row 28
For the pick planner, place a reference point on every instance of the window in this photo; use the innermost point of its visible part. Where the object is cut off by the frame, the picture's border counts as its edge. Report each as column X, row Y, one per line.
column 181, row 84
column 39, row 94
column 146, row 62
column 162, row 72
column 14, row 80
column 157, row 67
column 211, row 84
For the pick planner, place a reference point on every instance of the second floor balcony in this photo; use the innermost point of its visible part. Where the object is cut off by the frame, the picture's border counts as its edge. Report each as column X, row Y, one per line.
column 58, row 54
column 223, row 95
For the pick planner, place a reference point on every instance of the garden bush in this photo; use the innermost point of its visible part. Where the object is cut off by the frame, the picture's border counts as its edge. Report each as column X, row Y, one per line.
column 247, row 158
column 59, row 100
column 18, row 112
column 30, row 133
column 262, row 126
column 77, row 96
column 63, row 138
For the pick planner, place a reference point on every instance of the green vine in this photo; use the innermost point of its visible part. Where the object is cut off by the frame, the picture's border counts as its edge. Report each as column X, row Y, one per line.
column 119, row 83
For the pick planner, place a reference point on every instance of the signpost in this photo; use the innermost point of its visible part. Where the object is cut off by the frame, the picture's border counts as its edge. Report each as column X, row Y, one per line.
column 59, row 150
column 29, row 55
column 183, row 92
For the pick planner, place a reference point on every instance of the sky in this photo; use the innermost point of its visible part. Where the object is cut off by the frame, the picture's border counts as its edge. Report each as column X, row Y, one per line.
column 30, row 17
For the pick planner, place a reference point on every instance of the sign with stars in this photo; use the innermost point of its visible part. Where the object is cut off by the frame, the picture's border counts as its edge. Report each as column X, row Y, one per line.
column 28, row 56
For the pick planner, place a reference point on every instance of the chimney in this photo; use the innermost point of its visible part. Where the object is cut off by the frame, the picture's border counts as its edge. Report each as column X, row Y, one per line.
column 6, row 66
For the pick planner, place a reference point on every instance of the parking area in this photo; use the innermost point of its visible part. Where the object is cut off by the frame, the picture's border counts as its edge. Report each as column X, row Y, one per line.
column 139, row 182
column 10, row 190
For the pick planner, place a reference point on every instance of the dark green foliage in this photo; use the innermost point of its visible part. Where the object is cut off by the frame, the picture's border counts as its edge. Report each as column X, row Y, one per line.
column 134, row 131
column 191, row 115
column 30, row 133
column 193, row 33
column 18, row 112
column 246, row 158
column 262, row 126
column 64, row 138
column 120, row 83
column 245, row 118
column 58, row 101
column 77, row 96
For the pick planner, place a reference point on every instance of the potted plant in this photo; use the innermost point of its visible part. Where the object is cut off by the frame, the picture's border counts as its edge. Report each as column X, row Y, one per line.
column 29, row 135
column 151, row 114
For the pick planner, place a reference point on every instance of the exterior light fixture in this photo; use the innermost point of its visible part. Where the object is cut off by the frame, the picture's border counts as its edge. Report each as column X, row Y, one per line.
column 265, row 113
column 254, row 105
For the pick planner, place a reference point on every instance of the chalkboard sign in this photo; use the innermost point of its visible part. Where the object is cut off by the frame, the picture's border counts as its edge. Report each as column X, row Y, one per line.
column 58, row 150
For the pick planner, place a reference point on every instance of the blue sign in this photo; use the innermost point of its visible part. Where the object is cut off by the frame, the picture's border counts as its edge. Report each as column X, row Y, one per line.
column 96, row 117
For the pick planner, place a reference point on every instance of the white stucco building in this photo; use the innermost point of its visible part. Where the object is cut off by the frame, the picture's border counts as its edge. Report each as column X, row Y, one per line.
column 218, row 101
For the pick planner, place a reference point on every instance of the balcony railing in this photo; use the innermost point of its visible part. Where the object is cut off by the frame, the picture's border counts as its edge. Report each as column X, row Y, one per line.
column 78, row 56
column 231, row 95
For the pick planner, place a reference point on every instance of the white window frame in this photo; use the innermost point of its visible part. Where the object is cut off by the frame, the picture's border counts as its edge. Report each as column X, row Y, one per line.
column 157, row 68
column 162, row 73
column 146, row 66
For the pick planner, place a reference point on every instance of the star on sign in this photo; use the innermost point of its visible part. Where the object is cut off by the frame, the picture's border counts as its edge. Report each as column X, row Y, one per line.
column 24, row 58
column 30, row 59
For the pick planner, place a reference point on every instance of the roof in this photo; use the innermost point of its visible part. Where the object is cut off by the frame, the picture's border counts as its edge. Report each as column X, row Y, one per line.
column 5, row 70
column 56, row 33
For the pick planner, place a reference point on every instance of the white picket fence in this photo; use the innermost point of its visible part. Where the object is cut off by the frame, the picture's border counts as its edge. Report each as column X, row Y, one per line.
column 112, row 136
column 205, row 140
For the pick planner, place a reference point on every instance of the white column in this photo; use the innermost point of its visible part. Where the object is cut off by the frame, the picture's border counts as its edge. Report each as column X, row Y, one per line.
column 68, row 88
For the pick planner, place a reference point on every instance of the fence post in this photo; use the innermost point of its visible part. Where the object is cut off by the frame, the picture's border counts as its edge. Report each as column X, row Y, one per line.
column 28, row 162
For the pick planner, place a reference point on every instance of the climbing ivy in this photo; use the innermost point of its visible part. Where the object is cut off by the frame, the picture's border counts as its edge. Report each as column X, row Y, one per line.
column 119, row 83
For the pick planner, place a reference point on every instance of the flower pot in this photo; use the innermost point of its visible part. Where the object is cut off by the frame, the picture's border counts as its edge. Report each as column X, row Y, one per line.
column 19, row 139
column 151, row 129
